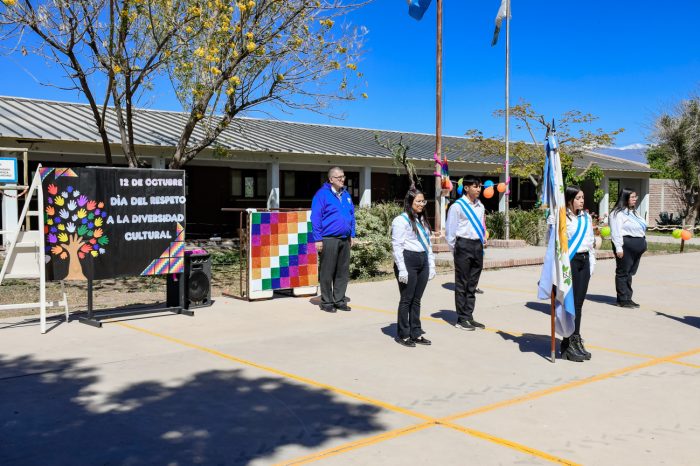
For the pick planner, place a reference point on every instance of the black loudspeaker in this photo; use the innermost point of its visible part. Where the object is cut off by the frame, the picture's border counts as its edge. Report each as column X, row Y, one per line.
column 197, row 282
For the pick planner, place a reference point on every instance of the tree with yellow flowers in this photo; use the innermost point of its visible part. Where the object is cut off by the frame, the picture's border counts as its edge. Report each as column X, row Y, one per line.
column 223, row 58
column 242, row 54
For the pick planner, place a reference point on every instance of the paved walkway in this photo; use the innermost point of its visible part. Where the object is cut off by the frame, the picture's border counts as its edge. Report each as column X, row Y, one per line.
column 280, row 382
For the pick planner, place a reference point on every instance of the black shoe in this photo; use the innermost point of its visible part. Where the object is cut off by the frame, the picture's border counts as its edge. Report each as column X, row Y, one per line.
column 344, row 307
column 577, row 343
column 479, row 291
column 629, row 304
column 405, row 342
column 633, row 303
column 327, row 308
column 477, row 324
column 464, row 326
column 422, row 341
column 571, row 355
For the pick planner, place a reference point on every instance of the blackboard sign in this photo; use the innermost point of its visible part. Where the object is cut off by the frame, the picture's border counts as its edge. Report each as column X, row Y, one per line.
column 112, row 222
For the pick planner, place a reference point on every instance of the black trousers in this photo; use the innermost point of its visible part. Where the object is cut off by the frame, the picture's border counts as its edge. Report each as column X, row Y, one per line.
column 626, row 268
column 334, row 271
column 469, row 260
column 581, row 276
column 418, row 269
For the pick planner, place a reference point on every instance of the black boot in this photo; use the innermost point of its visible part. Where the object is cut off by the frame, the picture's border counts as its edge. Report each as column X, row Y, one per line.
column 568, row 351
column 577, row 342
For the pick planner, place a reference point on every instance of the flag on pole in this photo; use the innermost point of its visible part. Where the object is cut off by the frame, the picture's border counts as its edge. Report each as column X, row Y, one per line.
column 417, row 8
column 500, row 16
column 556, row 270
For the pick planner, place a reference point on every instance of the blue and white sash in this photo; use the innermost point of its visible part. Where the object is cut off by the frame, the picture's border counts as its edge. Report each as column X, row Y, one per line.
column 581, row 231
column 421, row 233
column 473, row 219
column 641, row 222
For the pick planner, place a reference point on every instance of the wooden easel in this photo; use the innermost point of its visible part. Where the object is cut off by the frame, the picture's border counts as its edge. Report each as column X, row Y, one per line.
column 25, row 255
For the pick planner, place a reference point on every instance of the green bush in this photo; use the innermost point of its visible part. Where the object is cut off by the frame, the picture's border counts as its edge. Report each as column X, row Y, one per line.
column 373, row 234
column 524, row 224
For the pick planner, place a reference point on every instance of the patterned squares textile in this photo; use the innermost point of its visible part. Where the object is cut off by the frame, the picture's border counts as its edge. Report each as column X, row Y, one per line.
column 281, row 255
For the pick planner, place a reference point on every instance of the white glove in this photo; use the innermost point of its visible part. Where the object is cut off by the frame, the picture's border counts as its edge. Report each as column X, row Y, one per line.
column 403, row 277
column 431, row 274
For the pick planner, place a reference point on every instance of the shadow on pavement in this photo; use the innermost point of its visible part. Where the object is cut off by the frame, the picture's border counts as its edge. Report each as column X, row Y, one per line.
column 51, row 413
column 693, row 321
column 601, row 298
column 531, row 343
column 447, row 315
column 543, row 307
column 449, row 286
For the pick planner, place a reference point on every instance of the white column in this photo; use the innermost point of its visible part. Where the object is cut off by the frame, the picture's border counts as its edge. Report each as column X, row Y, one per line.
column 366, row 187
column 644, row 195
column 10, row 214
column 502, row 196
column 273, row 184
column 604, row 204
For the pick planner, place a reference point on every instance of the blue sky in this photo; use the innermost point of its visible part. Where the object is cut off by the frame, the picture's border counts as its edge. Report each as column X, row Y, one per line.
column 623, row 61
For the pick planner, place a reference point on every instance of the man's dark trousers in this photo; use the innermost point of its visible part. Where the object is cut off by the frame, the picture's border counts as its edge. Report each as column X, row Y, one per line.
column 469, row 260
column 334, row 271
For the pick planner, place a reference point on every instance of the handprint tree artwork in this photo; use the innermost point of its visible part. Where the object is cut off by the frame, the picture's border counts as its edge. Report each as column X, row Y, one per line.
column 74, row 228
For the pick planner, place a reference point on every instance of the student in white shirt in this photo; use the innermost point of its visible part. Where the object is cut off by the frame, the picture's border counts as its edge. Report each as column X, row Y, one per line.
column 628, row 231
column 465, row 231
column 581, row 242
column 414, row 265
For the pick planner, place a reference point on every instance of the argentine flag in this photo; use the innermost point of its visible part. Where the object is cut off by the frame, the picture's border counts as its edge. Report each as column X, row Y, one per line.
column 556, row 270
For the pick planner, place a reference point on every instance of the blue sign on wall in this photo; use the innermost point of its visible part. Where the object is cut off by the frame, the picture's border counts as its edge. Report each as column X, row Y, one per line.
column 8, row 170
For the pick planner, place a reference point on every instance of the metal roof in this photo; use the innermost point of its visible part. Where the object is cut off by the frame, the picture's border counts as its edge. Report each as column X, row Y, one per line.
column 23, row 118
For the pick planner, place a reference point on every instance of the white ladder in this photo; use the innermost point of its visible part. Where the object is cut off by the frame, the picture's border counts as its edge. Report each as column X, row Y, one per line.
column 25, row 256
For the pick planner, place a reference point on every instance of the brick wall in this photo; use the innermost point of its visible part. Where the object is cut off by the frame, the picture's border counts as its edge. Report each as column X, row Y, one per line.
column 662, row 198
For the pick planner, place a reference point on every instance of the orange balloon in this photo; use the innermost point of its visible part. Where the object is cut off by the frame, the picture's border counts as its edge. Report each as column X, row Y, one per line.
column 686, row 235
column 488, row 192
column 501, row 187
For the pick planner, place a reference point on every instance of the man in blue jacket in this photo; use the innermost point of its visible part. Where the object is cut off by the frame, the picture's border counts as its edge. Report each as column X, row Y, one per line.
column 333, row 221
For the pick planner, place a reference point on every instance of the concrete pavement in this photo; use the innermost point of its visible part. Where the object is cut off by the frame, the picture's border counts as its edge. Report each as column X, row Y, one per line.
column 280, row 382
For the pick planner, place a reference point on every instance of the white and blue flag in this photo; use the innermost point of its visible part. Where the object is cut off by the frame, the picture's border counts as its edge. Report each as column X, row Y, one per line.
column 556, row 270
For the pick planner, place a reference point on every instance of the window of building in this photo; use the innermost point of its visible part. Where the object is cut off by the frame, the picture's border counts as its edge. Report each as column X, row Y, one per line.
column 289, row 184
column 236, row 183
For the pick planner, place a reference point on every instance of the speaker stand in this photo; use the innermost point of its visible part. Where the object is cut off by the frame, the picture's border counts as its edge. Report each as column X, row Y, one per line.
column 96, row 320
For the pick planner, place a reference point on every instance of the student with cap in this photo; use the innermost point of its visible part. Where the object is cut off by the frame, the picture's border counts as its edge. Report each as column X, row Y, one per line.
column 333, row 230
column 628, row 231
column 465, row 232
column 414, row 265
column 581, row 242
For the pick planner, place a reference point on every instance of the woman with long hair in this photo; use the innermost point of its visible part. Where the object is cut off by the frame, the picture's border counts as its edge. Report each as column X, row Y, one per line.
column 579, row 229
column 414, row 265
column 628, row 231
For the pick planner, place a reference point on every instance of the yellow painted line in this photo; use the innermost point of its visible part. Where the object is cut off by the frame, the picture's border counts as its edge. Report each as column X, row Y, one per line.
column 272, row 370
column 360, row 443
column 517, row 334
column 365, row 442
column 508, row 443
column 570, row 385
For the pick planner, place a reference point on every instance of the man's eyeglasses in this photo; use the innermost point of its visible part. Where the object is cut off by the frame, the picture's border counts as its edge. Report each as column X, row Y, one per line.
column 341, row 177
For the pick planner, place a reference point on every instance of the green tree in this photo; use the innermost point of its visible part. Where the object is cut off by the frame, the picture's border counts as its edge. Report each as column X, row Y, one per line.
column 527, row 158
column 677, row 134
column 660, row 159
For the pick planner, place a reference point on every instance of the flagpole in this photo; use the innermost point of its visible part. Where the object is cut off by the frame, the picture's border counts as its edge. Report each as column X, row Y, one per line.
column 554, row 344
column 508, row 186
column 438, row 119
